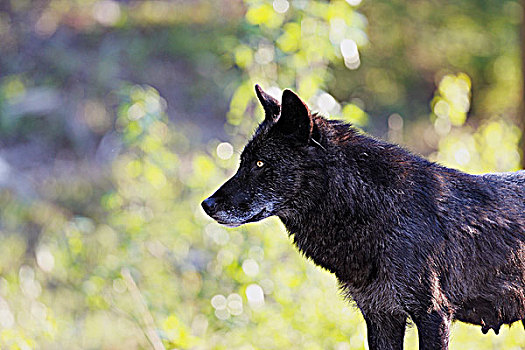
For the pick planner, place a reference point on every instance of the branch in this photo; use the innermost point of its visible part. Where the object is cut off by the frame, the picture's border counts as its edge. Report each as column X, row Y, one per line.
column 147, row 318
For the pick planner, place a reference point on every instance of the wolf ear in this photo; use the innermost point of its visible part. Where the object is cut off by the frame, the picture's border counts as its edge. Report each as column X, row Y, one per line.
column 271, row 105
column 295, row 117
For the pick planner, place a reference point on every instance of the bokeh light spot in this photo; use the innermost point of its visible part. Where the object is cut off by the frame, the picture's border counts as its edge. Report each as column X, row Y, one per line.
column 106, row 12
column 281, row 6
column 218, row 302
column 250, row 267
column 224, row 150
column 255, row 295
column 45, row 259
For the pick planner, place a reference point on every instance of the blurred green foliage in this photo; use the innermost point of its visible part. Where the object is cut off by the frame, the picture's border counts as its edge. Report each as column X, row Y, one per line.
column 103, row 244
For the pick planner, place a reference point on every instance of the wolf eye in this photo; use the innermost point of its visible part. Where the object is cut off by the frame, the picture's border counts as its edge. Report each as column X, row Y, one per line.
column 259, row 163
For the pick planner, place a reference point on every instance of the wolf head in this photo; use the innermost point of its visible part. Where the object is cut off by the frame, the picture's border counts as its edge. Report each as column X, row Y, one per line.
column 270, row 170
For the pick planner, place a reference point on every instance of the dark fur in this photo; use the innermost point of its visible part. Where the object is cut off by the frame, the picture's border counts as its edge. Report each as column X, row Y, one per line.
column 404, row 236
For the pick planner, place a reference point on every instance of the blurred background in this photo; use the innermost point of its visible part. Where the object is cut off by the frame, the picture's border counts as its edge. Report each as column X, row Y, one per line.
column 118, row 117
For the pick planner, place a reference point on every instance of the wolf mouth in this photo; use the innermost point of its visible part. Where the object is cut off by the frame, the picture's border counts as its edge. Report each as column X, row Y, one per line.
column 259, row 216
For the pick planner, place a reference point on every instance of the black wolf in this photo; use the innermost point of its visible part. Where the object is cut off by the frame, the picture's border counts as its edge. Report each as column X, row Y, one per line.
column 404, row 236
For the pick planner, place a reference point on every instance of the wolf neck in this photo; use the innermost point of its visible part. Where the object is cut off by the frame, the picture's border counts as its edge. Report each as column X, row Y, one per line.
column 337, row 241
column 342, row 214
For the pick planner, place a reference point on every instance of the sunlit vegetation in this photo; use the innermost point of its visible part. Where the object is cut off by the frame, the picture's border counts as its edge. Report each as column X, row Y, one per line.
column 118, row 118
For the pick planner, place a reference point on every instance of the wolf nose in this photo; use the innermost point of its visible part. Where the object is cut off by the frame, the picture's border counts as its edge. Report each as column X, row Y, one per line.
column 208, row 205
